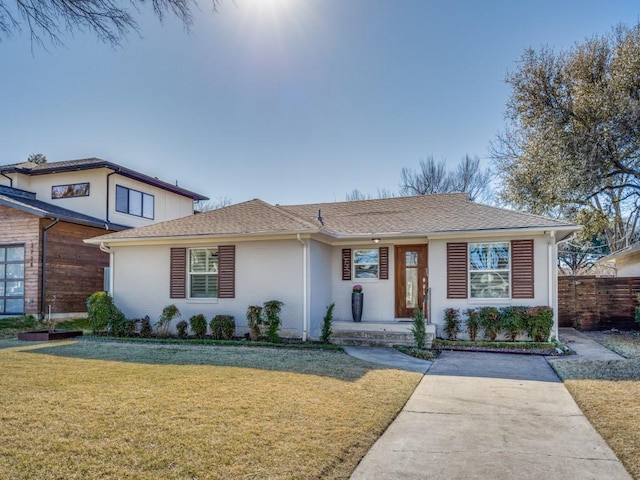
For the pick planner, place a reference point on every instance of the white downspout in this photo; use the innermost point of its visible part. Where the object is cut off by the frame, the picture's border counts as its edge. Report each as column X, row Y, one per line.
column 105, row 249
column 551, row 282
column 305, row 320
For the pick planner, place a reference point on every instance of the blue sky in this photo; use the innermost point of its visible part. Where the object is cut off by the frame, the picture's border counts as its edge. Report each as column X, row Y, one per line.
column 291, row 101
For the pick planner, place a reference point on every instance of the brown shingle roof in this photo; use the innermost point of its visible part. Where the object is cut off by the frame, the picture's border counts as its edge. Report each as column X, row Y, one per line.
column 422, row 215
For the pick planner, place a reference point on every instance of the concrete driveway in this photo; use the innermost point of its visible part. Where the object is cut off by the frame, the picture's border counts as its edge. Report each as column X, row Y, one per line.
column 490, row 416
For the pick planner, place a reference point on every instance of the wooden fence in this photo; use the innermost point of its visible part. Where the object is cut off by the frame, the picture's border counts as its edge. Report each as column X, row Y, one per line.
column 591, row 303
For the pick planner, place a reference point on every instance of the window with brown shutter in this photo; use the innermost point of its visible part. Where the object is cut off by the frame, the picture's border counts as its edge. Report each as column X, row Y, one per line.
column 457, row 270
column 178, row 273
column 346, row 264
column 227, row 271
column 384, row 263
column 522, row 275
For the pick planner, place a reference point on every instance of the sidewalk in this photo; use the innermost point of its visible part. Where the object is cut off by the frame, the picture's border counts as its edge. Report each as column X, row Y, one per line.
column 490, row 416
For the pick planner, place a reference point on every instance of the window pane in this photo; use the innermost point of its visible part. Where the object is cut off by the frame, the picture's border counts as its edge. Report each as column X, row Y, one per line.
column 2, row 310
column 411, row 259
column 204, row 286
column 122, row 199
column 2, row 254
column 14, row 270
column 499, row 256
column 15, row 254
column 411, row 275
column 1, row 290
column 1, row 271
column 489, row 284
column 135, row 203
column 203, row 260
column 366, row 271
column 14, row 289
column 147, row 206
column 365, row 256
column 478, row 256
column 14, row 305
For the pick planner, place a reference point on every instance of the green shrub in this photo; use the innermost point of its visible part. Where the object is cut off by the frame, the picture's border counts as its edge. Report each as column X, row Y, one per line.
column 145, row 327
column 272, row 320
column 169, row 313
column 512, row 321
column 451, row 323
column 490, row 322
column 327, row 320
column 104, row 316
column 198, row 325
column 473, row 323
column 223, row 327
column 130, row 328
column 418, row 329
column 539, row 323
column 254, row 321
column 181, row 329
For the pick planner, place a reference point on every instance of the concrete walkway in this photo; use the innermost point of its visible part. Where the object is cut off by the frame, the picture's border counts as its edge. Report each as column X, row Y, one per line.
column 389, row 357
column 490, row 416
column 585, row 348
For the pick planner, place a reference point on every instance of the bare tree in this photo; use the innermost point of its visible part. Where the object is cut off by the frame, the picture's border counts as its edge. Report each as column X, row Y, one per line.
column 356, row 195
column 215, row 204
column 434, row 177
column 109, row 20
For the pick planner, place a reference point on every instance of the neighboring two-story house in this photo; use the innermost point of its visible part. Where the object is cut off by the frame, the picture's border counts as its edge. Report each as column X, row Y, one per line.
column 47, row 210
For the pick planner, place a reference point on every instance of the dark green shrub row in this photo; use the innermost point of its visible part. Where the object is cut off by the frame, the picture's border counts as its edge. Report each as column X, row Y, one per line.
column 512, row 322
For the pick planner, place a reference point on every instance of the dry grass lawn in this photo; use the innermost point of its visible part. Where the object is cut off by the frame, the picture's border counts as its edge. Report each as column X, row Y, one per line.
column 82, row 410
column 608, row 393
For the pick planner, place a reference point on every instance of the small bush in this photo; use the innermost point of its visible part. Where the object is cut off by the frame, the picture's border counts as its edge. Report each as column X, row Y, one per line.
column 198, row 325
column 254, row 321
column 451, row 323
column 169, row 313
column 473, row 323
column 223, row 327
column 104, row 316
column 145, row 327
column 181, row 328
column 539, row 323
column 418, row 329
column 512, row 321
column 490, row 322
column 272, row 320
column 327, row 320
column 130, row 328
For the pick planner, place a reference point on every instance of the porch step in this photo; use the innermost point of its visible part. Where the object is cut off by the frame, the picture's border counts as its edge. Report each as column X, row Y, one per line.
column 374, row 334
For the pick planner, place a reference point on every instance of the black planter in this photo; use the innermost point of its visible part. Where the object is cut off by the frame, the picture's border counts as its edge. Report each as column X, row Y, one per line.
column 356, row 306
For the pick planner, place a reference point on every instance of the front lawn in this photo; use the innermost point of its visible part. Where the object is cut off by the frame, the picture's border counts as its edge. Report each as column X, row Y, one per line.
column 608, row 392
column 115, row 410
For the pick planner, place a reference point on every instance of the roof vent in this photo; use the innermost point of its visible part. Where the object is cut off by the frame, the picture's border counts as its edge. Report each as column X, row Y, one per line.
column 320, row 217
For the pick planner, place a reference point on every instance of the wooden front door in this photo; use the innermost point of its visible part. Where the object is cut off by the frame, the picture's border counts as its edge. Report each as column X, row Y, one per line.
column 411, row 278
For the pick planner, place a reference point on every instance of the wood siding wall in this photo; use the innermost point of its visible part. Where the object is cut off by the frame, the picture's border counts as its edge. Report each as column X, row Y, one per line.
column 590, row 303
column 75, row 270
column 22, row 228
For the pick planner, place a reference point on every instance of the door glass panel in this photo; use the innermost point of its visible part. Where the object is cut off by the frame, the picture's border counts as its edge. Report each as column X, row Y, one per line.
column 411, row 259
column 411, row 275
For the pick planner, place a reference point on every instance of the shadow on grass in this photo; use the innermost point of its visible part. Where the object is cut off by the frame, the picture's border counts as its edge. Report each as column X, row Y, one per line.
column 335, row 364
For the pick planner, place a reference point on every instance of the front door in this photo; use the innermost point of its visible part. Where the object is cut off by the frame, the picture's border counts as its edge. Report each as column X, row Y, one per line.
column 411, row 278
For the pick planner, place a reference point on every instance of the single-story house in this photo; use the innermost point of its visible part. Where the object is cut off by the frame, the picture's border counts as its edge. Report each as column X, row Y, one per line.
column 431, row 251
column 46, row 212
column 623, row 263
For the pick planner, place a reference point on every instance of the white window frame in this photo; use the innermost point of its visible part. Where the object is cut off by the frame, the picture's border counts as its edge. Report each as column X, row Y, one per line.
column 191, row 273
column 356, row 264
column 489, row 271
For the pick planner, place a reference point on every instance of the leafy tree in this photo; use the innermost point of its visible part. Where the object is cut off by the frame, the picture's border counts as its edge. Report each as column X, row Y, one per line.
column 37, row 158
column 434, row 177
column 109, row 20
column 572, row 145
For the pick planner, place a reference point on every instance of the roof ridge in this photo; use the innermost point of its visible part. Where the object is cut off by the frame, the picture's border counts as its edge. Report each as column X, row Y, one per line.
column 291, row 216
column 402, row 197
column 520, row 212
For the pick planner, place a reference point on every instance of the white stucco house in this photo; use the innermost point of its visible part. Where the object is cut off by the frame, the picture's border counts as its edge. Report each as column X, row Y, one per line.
column 432, row 251
column 623, row 263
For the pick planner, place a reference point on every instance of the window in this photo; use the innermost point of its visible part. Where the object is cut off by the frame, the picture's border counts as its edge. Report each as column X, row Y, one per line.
column 203, row 273
column 489, row 270
column 366, row 263
column 134, row 202
column 70, row 190
column 11, row 279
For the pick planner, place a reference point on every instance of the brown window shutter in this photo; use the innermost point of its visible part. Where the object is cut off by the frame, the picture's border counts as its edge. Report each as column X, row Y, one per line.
column 346, row 264
column 227, row 271
column 522, row 280
column 384, row 263
column 457, row 270
column 178, row 273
